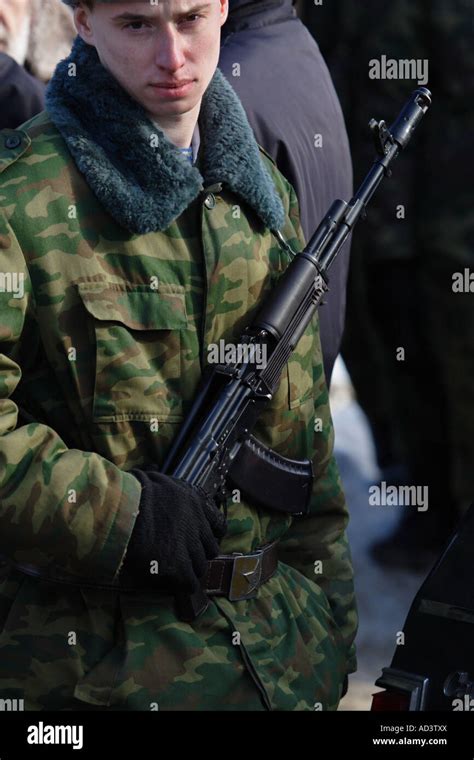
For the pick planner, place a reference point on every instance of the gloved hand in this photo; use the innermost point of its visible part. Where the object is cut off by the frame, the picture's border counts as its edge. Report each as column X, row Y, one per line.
column 177, row 526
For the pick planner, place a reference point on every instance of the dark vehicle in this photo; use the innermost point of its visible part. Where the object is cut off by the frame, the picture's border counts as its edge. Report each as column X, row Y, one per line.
column 434, row 668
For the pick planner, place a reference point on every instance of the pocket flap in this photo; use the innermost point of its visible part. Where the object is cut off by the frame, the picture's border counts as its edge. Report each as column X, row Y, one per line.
column 137, row 307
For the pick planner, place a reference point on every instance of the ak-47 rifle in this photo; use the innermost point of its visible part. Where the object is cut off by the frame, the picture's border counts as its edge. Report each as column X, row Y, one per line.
column 215, row 445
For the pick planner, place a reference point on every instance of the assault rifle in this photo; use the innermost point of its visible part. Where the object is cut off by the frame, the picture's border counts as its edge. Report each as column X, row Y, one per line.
column 215, row 446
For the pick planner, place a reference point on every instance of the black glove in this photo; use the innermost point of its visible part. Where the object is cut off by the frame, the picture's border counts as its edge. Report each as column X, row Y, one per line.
column 177, row 526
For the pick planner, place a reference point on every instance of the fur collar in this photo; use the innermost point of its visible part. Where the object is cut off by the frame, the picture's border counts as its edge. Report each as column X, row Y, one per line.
column 146, row 183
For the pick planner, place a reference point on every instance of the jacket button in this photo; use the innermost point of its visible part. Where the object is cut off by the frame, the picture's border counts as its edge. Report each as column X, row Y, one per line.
column 12, row 141
column 210, row 200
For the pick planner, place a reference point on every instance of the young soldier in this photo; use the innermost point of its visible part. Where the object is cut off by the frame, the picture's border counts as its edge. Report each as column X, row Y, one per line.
column 138, row 220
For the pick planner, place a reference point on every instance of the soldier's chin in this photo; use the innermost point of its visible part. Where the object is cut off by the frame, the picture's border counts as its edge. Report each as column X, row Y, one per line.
column 169, row 108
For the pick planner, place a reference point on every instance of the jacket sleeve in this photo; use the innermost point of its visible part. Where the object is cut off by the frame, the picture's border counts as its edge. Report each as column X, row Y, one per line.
column 316, row 545
column 63, row 511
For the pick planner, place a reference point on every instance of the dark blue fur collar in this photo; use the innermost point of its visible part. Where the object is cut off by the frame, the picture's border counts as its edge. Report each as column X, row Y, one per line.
column 142, row 185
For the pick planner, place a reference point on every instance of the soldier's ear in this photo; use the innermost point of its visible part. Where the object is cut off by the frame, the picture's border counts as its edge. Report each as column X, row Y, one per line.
column 83, row 24
column 224, row 10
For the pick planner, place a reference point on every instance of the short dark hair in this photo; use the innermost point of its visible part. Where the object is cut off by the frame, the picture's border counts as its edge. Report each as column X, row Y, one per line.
column 90, row 3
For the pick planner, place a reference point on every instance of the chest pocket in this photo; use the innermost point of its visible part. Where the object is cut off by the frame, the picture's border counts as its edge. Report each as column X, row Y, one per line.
column 137, row 335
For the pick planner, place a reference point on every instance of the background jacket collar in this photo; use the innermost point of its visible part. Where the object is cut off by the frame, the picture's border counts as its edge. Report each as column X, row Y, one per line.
column 253, row 14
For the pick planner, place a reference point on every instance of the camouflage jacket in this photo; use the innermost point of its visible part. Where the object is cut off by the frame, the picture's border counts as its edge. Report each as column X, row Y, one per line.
column 119, row 270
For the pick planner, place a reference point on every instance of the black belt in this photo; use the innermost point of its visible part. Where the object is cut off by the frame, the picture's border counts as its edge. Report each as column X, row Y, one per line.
column 236, row 576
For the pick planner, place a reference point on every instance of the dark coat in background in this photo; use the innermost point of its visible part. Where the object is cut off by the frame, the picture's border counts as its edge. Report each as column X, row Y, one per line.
column 287, row 92
column 21, row 95
column 419, row 235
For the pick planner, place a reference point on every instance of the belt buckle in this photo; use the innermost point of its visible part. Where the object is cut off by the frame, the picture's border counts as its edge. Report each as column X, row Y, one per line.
column 246, row 575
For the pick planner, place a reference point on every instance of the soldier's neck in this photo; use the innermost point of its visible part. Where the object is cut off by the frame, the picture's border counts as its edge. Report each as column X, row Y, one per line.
column 179, row 128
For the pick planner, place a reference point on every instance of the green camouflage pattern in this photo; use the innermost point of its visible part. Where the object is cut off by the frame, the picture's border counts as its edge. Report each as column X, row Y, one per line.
column 105, row 352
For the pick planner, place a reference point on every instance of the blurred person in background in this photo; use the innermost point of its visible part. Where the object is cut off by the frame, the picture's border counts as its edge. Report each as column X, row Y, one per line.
column 280, row 76
column 21, row 94
column 408, row 287
column 34, row 36
column 51, row 36
column 15, row 25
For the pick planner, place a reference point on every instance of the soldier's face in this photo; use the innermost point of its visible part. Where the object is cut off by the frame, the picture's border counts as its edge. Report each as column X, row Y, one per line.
column 163, row 52
column 15, row 28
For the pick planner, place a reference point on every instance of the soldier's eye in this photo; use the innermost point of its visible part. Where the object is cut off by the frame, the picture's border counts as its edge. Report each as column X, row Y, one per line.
column 135, row 26
column 191, row 19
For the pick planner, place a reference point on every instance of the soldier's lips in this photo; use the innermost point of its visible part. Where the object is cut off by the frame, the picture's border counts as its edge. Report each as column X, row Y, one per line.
column 172, row 92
